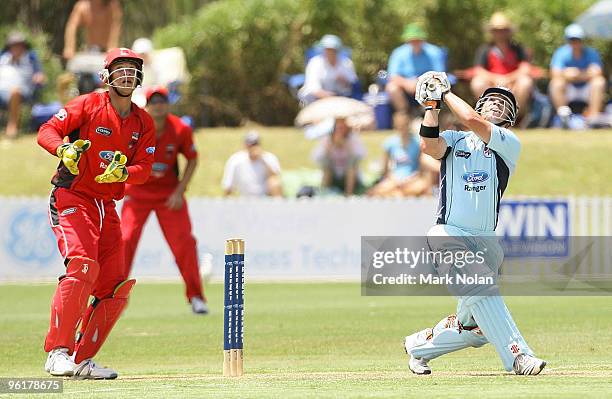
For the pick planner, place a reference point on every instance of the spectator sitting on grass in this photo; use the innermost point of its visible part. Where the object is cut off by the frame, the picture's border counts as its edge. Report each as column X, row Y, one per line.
column 328, row 74
column 20, row 74
column 576, row 75
column 404, row 174
column 253, row 171
column 503, row 62
column 408, row 62
column 339, row 155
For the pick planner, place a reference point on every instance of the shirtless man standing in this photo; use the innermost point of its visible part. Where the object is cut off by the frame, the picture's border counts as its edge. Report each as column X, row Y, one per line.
column 101, row 32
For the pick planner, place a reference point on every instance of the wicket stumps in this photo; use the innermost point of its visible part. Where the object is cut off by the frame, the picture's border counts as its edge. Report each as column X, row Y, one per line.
column 234, row 308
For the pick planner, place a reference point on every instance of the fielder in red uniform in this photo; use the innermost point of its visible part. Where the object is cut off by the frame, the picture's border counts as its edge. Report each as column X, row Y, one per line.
column 103, row 141
column 163, row 194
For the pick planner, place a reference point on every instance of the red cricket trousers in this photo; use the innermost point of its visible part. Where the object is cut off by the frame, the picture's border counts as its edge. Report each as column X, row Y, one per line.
column 176, row 227
column 90, row 228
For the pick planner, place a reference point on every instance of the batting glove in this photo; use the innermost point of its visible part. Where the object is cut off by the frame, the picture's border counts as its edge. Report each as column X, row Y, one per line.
column 430, row 89
column 70, row 153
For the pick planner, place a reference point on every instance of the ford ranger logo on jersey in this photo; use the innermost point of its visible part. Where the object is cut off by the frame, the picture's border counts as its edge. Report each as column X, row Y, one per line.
column 475, row 177
column 107, row 155
column 104, row 131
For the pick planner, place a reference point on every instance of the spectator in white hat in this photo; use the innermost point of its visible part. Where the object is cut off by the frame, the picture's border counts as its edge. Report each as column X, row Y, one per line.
column 144, row 47
column 329, row 73
column 20, row 75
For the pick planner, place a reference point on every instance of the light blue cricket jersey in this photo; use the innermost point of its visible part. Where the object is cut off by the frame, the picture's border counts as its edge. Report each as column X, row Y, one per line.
column 474, row 176
column 405, row 158
column 404, row 62
column 564, row 58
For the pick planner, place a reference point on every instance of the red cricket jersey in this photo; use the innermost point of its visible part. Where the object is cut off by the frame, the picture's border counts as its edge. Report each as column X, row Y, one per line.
column 496, row 60
column 92, row 117
column 176, row 138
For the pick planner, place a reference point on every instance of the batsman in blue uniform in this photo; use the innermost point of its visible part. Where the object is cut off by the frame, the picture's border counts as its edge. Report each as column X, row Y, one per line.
column 475, row 168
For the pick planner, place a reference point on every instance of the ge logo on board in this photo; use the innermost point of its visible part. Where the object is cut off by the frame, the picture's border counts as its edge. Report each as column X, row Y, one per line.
column 29, row 238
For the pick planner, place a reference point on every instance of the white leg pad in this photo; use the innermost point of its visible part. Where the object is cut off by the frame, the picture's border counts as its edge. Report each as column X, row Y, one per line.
column 493, row 317
column 446, row 337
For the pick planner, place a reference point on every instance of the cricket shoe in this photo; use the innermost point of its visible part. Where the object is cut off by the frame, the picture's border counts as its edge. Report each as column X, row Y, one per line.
column 528, row 365
column 59, row 363
column 198, row 306
column 418, row 366
column 88, row 370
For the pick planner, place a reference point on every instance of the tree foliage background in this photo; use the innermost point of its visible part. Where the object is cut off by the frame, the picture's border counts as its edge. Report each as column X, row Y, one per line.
column 239, row 50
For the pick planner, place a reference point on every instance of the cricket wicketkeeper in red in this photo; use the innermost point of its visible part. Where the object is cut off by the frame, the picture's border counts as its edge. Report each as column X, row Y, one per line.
column 163, row 194
column 103, row 141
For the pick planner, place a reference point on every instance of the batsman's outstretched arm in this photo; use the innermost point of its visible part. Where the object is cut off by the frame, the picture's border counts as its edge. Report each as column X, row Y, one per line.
column 468, row 116
column 432, row 144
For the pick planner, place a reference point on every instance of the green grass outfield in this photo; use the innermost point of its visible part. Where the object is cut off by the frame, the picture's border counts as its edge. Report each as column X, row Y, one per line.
column 553, row 162
column 313, row 340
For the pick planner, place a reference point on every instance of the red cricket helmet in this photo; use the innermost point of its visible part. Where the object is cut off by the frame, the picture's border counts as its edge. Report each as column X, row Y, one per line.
column 121, row 53
column 119, row 75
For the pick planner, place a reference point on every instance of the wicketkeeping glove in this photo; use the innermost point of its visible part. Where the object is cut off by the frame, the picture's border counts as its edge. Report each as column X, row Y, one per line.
column 115, row 172
column 430, row 89
column 70, row 153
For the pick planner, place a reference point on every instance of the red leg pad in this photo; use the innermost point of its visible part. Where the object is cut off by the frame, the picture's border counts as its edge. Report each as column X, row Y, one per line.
column 103, row 315
column 69, row 302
